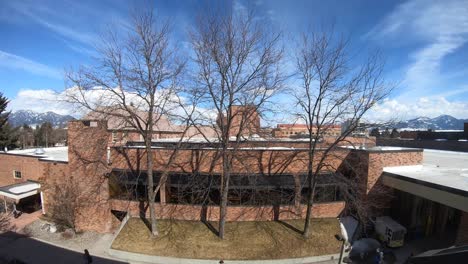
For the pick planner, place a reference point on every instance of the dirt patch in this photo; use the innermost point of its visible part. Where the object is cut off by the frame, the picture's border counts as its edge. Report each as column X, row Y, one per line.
column 77, row 241
column 243, row 240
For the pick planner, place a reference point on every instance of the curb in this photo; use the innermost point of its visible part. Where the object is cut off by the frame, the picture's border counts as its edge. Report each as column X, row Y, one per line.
column 71, row 249
column 130, row 256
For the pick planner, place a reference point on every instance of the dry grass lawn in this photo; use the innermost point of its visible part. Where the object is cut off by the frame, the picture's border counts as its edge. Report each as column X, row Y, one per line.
column 243, row 240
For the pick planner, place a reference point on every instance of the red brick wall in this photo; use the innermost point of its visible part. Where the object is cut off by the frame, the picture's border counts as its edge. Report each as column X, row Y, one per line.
column 246, row 161
column 379, row 160
column 234, row 213
column 53, row 176
column 87, row 170
column 30, row 167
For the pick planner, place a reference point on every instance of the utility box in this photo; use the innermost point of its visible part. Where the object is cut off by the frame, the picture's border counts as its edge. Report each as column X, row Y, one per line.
column 390, row 232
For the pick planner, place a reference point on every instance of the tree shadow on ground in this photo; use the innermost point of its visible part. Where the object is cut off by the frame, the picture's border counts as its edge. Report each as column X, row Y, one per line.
column 203, row 218
column 291, row 227
column 143, row 207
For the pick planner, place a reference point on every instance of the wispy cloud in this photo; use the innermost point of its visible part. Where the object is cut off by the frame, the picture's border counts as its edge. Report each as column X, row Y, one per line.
column 440, row 26
column 60, row 22
column 452, row 92
column 425, row 106
column 40, row 101
column 12, row 61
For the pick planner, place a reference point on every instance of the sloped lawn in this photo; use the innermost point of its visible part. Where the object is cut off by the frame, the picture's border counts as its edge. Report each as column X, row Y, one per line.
column 243, row 240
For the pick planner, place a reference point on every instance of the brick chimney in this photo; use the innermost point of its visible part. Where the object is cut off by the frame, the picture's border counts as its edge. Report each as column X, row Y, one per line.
column 245, row 118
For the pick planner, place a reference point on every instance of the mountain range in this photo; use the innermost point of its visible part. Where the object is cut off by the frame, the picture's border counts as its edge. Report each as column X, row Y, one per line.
column 34, row 119
column 443, row 122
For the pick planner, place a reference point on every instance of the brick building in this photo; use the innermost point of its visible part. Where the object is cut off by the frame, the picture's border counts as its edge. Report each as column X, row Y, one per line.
column 296, row 130
column 245, row 121
column 268, row 179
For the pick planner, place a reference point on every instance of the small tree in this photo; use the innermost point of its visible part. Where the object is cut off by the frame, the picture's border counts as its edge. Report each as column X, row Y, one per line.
column 66, row 201
column 5, row 224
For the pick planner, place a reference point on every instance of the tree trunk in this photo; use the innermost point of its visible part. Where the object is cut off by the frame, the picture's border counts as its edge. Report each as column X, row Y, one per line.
column 311, row 185
column 151, row 194
column 224, row 195
column 310, row 203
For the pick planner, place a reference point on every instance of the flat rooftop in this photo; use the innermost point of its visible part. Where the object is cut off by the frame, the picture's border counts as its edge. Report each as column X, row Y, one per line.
column 59, row 154
column 447, row 170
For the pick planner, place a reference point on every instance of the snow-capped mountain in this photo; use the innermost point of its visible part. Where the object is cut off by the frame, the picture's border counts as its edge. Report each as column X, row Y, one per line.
column 443, row 122
column 33, row 119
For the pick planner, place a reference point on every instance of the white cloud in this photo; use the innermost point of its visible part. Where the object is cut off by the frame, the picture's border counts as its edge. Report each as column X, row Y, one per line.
column 442, row 27
column 59, row 102
column 40, row 101
column 434, row 106
column 12, row 61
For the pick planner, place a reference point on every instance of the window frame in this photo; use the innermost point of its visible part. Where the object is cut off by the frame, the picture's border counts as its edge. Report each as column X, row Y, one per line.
column 114, row 136
column 15, row 172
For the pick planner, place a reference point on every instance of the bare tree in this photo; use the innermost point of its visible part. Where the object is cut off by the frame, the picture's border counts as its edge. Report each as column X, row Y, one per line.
column 67, row 201
column 332, row 90
column 134, row 81
column 238, row 70
column 5, row 224
column 26, row 136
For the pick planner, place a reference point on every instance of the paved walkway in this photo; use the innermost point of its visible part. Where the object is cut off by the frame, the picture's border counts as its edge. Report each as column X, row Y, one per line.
column 29, row 250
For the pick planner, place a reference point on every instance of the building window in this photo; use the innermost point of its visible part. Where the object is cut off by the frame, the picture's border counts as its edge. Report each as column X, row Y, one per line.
column 17, row 174
column 324, row 193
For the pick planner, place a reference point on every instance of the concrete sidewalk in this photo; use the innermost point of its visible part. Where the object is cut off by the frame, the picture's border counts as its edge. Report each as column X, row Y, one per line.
column 14, row 246
column 130, row 256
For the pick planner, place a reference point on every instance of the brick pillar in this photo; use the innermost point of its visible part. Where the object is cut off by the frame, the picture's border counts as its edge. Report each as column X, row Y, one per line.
column 87, row 159
column 162, row 194
column 462, row 232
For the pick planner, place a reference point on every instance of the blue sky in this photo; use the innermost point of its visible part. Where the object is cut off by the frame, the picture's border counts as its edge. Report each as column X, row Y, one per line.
column 424, row 42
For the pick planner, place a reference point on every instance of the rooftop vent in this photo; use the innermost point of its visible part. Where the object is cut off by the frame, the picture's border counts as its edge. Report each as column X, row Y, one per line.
column 39, row 151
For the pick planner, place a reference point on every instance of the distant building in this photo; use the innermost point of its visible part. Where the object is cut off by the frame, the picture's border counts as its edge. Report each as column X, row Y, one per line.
column 361, row 130
column 245, row 121
column 296, row 130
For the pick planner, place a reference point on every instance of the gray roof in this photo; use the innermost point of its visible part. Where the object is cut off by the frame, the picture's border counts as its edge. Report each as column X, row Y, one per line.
column 50, row 154
column 443, row 169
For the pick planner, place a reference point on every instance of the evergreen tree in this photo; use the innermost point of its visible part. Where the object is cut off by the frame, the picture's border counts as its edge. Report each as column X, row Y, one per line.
column 3, row 113
column 395, row 133
column 375, row 133
column 386, row 133
column 8, row 136
column 43, row 135
column 25, row 136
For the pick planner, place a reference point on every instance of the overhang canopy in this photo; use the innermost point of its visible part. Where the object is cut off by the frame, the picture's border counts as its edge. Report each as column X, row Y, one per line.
column 443, row 178
column 19, row 191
